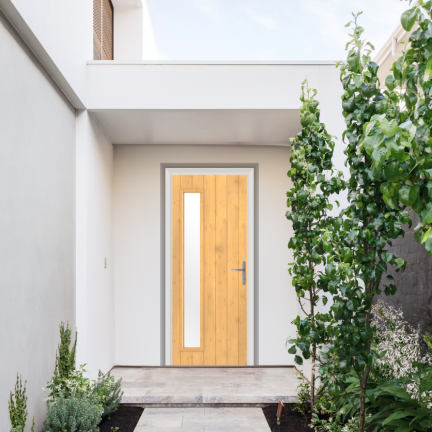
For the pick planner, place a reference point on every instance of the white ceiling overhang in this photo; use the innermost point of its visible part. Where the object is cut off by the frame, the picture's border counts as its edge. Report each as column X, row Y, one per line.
column 242, row 103
column 237, row 127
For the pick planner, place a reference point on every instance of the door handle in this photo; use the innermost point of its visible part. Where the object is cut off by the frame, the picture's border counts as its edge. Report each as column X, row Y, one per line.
column 242, row 270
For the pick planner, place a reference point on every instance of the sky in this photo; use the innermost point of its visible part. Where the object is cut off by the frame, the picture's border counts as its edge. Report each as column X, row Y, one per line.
column 266, row 29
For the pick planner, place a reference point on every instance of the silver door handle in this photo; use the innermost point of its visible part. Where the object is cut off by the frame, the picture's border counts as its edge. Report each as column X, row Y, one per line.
column 242, row 270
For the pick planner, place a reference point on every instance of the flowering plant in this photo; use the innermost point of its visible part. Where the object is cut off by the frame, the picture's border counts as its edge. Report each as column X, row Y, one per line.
column 404, row 355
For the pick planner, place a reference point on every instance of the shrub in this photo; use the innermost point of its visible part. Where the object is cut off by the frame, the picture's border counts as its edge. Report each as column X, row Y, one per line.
column 76, row 384
column 403, row 355
column 65, row 362
column 303, row 391
column 72, row 414
column 108, row 392
column 18, row 408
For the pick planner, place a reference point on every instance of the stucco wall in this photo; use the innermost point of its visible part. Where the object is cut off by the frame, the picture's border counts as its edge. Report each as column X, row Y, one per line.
column 137, row 245
column 95, row 289
column 37, row 222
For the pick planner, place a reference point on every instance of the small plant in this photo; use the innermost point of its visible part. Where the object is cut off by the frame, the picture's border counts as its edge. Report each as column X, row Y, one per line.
column 65, row 362
column 326, row 417
column 76, row 384
column 303, row 391
column 72, row 414
column 108, row 392
column 18, row 408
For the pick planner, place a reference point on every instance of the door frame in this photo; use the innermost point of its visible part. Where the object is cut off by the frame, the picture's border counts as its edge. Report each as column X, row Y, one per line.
column 169, row 172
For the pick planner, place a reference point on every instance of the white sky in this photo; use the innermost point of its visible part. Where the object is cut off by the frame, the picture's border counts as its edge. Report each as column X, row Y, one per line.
column 266, row 29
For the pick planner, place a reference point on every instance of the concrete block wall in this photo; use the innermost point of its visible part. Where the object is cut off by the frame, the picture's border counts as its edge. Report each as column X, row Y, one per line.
column 414, row 294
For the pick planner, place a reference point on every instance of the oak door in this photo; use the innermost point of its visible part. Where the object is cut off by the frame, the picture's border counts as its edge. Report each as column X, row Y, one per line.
column 209, row 299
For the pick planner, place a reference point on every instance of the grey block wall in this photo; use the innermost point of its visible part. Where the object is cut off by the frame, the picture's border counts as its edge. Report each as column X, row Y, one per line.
column 37, row 222
column 414, row 294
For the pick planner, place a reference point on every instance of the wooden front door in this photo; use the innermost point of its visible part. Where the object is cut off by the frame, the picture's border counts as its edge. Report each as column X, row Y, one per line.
column 209, row 300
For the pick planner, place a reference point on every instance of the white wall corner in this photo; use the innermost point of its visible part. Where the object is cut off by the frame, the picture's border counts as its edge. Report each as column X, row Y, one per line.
column 133, row 31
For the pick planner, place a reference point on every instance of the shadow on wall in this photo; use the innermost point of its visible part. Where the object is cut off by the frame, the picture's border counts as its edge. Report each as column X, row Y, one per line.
column 414, row 286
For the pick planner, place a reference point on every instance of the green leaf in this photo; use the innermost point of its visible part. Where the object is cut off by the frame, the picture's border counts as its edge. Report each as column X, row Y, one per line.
column 426, row 235
column 379, row 156
column 330, row 271
column 298, row 360
column 347, row 255
column 408, row 194
column 389, row 128
column 392, row 171
column 352, row 305
column 373, row 141
column 428, row 245
column 398, row 415
column 408, row 18
column 292, row 350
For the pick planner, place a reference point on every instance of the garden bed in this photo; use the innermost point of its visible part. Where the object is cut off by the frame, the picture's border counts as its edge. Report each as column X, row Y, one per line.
column 292, row 421
column 125, row 419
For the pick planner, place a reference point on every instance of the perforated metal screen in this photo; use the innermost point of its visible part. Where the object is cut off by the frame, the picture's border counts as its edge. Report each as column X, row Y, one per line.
column 103, row 30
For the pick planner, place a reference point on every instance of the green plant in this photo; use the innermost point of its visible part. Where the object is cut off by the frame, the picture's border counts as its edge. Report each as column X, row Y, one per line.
column 303, row 392
column 72, row 414
column 359, row 257
column 409, row 169
column 309, row 199
column 18, row 408
column 76, row 384
column 428, row 339
column 108, row 392
column 326, row 417
column 65, row 363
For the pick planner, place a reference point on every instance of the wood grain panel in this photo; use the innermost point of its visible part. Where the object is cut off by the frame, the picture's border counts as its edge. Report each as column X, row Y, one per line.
column 221, row 270
column 243, row 257
column 177, row 270
column 187, row 358
column 223, row 248
column 210, row 270
column 233, row 278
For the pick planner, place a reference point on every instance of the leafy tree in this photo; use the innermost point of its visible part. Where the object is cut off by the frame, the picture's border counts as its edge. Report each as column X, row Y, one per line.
column 359, row 257
column 409, row 165
column 309, row 199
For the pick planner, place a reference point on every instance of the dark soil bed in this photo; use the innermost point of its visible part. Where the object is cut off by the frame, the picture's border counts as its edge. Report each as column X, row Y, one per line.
column 125, row 418
column 292, row 421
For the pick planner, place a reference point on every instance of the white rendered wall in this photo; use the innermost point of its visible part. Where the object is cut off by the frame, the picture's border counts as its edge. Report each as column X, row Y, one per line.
column 65, row 30
column 133, row 32
column 137, row 245
column 95, row 289
column 37, row 223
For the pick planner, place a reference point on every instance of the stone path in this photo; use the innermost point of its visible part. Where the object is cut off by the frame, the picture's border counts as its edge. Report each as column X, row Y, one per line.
column 202, row 420
column 151, row 385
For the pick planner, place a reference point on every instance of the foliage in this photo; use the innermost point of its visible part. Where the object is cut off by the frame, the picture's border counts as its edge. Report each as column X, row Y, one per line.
column 326, row 417
column 303, row 392
column 18, row 408
column 75, row 384
column 108, row 392
column 64, row 372
column 358, row 256
column 309, row 199
column 72, row 414
column 403, row 354
column 409, row 163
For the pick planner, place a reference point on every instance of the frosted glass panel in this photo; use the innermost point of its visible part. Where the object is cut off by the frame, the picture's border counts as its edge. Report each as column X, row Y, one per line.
column 192, row 247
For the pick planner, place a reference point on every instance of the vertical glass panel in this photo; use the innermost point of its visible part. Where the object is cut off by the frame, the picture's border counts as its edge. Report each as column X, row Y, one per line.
column 192, row 264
